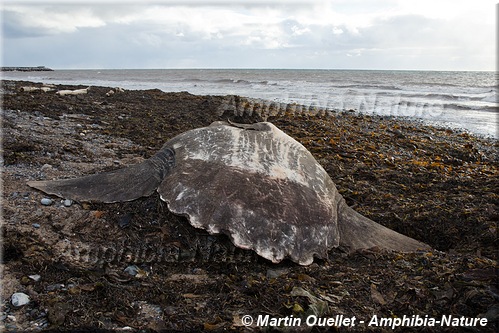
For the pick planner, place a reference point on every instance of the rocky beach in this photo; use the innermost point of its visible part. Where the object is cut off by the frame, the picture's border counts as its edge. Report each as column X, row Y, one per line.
column 134, row 266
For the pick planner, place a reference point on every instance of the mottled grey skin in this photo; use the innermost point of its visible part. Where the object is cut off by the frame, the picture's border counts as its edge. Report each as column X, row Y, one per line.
column 253, row 183
column 127, row 184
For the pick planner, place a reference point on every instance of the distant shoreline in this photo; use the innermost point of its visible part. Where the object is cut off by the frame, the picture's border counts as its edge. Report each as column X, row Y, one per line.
column 26, row 69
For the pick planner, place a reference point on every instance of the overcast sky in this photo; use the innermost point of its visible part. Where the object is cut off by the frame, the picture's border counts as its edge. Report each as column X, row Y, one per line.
column 336, row 34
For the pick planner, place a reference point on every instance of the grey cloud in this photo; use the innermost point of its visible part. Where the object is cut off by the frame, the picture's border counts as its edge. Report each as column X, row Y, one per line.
column 407, row 30
column 122, row 41
column 14, row 26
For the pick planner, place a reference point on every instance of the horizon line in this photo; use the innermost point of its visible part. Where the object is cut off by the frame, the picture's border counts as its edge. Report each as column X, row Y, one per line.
column 261, row 68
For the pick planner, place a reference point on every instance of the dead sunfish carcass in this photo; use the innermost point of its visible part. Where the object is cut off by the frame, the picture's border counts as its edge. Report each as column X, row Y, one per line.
column 253, row 183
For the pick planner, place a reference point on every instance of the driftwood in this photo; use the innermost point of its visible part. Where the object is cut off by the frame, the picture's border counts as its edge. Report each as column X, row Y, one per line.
column 73, row 92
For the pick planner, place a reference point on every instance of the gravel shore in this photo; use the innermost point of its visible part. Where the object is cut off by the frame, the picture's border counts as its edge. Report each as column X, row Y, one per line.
column 114, row 267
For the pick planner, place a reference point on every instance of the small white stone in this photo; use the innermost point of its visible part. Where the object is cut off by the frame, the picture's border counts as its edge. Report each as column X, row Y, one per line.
column 35, row 277
column 46, row 201
column 19, row 299
column 67, row 203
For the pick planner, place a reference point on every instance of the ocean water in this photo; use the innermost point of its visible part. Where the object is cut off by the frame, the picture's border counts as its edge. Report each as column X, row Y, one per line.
column 459, row 100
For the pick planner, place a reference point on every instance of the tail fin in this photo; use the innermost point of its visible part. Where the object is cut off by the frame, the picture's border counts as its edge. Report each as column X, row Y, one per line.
column 359, row 232
column 125, row 184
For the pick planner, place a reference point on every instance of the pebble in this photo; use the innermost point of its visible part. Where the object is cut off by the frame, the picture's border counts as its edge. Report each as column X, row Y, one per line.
column 54, row 287
column 46, row 167
column 36, row 225
column 25, row 280
column 35, row 277
column 198, row 271
column 40, row 323
column 67, row 203
column 46, row 201
column 125, row 220
column 132, row 270
column 275, row 273
column 19, row 299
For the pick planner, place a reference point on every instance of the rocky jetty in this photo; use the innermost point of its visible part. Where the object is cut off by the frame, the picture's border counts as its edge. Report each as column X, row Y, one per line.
column 26, row 69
